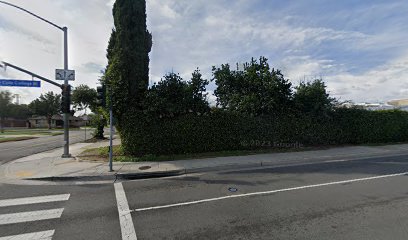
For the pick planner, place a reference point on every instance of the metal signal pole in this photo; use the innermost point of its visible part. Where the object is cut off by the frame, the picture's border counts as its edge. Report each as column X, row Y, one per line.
column 111, row 131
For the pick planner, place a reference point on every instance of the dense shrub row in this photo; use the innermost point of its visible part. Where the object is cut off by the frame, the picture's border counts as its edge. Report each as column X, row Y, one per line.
column 256, row 108
column 224, row 130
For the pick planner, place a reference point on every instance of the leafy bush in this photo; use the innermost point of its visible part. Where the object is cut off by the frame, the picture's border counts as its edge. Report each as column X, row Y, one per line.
column 258, row 109
column 173, row 97
column 255, row 90
column 312, row 98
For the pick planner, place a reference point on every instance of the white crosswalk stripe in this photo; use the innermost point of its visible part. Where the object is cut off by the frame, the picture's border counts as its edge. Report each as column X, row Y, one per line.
column 126, row 223
column 31, row 216
column 33, row 200
column 46, row 235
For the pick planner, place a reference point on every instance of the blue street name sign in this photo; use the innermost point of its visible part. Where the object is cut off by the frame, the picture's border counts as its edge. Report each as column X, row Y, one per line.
column 19, row 83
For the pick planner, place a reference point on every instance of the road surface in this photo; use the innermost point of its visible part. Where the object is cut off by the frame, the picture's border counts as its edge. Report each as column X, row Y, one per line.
column 13, row 150
column 361, row 199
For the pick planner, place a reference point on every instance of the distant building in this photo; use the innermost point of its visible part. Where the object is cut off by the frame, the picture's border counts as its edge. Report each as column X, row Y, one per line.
column 56, row 122
column 370, row 106
column 399, row 103
column 86, row 119
column 376, row 106
column 14, row 123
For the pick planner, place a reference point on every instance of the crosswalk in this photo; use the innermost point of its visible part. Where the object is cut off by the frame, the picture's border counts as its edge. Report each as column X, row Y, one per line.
column 31, row 216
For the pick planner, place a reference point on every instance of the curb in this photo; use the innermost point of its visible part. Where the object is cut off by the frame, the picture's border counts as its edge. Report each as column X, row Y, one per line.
column 159, row 174
column 179, row 172
column 113, row 177
column 74, row 178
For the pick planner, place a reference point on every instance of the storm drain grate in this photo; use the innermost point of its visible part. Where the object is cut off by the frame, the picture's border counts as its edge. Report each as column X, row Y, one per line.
column 144, row 167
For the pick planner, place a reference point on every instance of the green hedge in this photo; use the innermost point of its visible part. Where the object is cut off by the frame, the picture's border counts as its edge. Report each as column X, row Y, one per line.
column 222, row 131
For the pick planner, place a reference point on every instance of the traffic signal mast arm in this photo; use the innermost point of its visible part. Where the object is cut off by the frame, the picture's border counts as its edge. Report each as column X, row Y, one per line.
column 66, row 89
column 6, row 64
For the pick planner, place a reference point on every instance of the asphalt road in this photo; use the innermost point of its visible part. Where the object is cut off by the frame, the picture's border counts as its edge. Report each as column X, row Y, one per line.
column 362, row 199
column 13, row 150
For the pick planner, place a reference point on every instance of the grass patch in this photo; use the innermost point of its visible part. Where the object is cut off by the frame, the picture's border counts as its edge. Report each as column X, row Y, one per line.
column 14, row 139
column 102, row 154
column 57, row 134
column 31, row 132
column 102, row 151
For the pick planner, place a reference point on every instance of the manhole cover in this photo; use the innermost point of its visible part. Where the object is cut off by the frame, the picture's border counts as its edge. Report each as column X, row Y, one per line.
column 144, row 167
column 232, row 189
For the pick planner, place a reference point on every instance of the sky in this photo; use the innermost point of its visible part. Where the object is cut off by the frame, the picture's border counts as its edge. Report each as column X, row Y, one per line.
column 359, row 48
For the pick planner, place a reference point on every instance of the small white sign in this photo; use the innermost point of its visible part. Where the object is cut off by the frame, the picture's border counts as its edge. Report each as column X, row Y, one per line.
column 61, row 74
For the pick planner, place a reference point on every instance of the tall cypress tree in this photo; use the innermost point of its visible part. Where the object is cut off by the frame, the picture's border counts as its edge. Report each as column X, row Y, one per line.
column 128, row 56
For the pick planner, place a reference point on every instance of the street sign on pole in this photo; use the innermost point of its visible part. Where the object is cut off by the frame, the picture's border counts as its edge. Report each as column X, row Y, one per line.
column 19, row 83
column 61, row 74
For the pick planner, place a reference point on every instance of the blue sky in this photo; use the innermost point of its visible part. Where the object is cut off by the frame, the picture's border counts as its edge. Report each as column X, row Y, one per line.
column 359, row 48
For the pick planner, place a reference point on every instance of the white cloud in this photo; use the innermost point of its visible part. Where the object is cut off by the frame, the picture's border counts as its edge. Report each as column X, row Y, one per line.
column 38, row 47
column 360, row 55
column 163, row 9
column 384, row 83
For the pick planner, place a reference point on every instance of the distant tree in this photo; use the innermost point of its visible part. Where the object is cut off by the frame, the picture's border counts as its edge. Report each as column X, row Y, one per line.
column 254, row 90
column 5, row 103
column 46, row 105
column 127, row 72
column 312, row 98
column 84, row 97
column 20, row 111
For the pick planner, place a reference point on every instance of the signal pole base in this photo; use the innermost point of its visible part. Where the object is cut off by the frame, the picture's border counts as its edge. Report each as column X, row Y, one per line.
column 66, row 156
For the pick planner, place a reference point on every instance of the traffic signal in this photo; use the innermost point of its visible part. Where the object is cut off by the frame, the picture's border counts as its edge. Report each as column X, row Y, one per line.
column 101, row 96
column 66, row 99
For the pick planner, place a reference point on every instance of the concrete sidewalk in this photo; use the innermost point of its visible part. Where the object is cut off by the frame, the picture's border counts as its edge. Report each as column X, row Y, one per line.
column 50, row 166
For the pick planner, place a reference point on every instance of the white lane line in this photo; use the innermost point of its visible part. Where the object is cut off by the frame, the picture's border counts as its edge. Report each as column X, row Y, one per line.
column 125, row 218
column 33, row 200
column 30, row 216
column 335, row 161
column 45, row 235
column 268, row 192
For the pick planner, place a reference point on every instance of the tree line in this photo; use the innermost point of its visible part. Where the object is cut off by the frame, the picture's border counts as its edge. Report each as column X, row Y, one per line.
column 255, row 90
column 47, row 105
